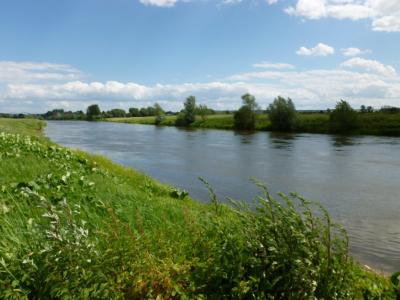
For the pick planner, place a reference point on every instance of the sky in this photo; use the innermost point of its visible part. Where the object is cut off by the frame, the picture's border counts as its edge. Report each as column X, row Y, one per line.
column 132, row 53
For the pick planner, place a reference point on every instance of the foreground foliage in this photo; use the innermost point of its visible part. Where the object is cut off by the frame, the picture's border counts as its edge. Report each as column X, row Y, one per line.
column 75, row 226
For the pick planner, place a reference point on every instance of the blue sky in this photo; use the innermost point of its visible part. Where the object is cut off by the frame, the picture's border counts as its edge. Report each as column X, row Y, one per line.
column 124, row 53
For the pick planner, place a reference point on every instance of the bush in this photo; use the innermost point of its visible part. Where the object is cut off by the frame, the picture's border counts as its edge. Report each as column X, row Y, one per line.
column 343, row 118
column 282, row 114
column 188, row 115
column 93, row 112
column 245, row 117
column 159, row 114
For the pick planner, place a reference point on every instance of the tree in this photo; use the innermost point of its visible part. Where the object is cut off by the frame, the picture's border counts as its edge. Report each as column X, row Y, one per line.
column 159, row 113
column 188, row 115
column 245, row 117
column 116, row 113
column 134, row 112
column 203, row 111
column 250, row 101
column 363, row 109
column 93, row 112
column 282, row 114
column 343, row 118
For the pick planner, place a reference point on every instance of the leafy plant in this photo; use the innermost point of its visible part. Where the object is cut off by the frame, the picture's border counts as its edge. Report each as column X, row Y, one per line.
column 343, row 118
column 282, row 114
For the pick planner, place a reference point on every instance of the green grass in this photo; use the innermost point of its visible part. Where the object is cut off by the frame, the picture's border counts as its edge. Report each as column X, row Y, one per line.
column 169, row 120
column 218, row 121
column 369, row 123
column 77, row 226
column 23, row 126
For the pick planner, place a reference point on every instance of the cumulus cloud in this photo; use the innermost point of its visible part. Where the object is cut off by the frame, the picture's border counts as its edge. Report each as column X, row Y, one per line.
column 370, row 66
column 385, row 14
column 358, row 80
column 319, row 50
column 352, row 51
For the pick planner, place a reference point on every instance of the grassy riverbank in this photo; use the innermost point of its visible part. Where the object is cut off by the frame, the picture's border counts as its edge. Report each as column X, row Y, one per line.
column 377, row 123
column 74, row 225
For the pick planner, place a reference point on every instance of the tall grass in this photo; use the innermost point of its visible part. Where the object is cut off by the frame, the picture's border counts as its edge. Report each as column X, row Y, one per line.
column 76, row 226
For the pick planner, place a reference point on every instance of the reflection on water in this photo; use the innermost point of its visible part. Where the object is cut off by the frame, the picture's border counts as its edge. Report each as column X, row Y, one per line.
column 343, row 140
column 246, row 137
column 359, row 184
column 282, row 140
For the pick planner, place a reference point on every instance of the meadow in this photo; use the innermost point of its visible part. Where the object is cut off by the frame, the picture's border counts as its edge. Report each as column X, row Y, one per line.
column 77, row 226
column 377, row 123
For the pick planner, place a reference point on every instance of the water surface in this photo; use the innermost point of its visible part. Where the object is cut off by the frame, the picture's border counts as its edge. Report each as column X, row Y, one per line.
column 356, row 178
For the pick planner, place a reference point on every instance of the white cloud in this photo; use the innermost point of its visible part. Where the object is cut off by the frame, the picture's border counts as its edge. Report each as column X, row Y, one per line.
column 352, row 51
column 319, row 50
column 385, row 14
column 268, row 65
column 34, row 71
column 387, row 23
column 370, row 66
column 358, row 80
column 159, row 3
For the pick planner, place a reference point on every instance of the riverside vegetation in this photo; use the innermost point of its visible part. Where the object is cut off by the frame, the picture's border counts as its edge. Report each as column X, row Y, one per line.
column 77, row 226
column 281, row 115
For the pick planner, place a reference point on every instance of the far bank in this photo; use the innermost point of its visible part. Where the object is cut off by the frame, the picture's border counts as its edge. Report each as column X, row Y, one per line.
column 375, row 123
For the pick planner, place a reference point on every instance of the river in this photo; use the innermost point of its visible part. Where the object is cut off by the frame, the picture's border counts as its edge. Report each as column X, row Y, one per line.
column 356, row 178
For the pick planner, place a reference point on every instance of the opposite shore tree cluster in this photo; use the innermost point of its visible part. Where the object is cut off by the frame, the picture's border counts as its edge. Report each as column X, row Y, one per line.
column 281, row 115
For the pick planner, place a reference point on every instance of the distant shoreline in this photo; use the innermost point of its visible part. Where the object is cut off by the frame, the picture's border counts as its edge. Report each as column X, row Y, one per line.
column 376, row 123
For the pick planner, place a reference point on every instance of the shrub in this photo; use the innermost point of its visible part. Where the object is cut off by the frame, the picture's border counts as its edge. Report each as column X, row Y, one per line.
column 93, row 112
column 188, row 115
column 203, row 111
column 245, row 117
column 282, row 114
column 159, row 113
column 343, row 118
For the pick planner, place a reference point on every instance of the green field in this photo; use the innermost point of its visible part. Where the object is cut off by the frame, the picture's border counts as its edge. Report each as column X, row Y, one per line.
column 377, row 123
column 77, row 226
column 218, row 121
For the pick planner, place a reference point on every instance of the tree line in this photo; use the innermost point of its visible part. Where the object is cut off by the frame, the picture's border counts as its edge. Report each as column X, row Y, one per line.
column 282, row 114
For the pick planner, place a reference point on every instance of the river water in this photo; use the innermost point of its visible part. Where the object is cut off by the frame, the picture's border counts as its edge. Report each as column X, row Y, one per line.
column 356, row 178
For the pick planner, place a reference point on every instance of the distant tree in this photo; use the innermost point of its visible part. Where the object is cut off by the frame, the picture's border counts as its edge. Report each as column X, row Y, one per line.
column 363, row 109
column 343, row 118
column 188, row 115
column 151, row 111
column 250, row 101
column 245, row 117
column 390, row 109
column 116, row 113
column 203, row 111
column 159, row 114
column 144, row 112
column 282, row 114
column 93, row 112
column 134, row 112
column 370, row 109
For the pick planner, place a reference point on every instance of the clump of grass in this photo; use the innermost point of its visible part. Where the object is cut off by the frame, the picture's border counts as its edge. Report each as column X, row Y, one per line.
column 74, row 225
